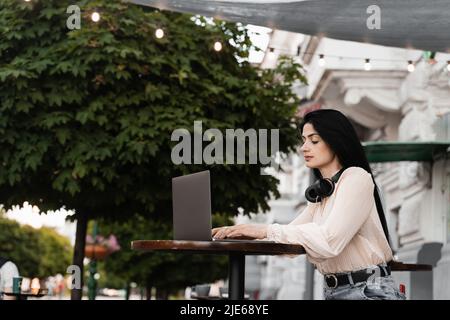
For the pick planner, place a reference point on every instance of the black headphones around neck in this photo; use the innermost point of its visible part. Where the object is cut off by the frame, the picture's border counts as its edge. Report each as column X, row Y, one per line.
column 322, row 188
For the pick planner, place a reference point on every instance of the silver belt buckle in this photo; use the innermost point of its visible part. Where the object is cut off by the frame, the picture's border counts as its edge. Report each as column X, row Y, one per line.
column 335, row 280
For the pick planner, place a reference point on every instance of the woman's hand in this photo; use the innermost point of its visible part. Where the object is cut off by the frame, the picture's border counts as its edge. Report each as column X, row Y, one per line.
column 241, row 231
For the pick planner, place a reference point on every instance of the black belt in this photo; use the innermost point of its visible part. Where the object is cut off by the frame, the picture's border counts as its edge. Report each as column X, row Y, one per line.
column 334, row 281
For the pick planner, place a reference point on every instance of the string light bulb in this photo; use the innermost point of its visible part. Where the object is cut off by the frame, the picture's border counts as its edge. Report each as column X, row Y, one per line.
column 95, row 16
column 411, row 66
column 217, row 46
column 367, row 65
column 429, row 57
column 159, row 33
column 321, row 60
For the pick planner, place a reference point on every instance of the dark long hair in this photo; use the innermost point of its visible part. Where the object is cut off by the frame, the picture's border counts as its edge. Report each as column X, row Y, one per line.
column 337, row 131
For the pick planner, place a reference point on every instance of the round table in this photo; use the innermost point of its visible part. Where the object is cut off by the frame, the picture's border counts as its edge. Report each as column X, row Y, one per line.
column 235, row 250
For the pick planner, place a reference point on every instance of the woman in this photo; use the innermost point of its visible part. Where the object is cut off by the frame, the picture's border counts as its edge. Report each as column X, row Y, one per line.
column 343, row 228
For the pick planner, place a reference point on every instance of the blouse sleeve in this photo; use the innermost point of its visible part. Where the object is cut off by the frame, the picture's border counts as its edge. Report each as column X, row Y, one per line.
column 353, row 203
column 304, row 217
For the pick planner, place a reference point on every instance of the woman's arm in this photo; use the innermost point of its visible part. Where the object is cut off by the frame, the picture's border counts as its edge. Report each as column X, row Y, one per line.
column 256, row 231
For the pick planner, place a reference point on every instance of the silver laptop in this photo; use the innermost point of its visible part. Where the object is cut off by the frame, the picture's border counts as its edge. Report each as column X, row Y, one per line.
column 191, row 200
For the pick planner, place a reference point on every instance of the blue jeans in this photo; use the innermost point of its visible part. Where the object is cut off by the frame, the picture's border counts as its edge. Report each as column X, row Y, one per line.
column 381, row 288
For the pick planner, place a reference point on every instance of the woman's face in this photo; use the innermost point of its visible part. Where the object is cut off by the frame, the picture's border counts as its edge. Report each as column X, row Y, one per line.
column 316, row 152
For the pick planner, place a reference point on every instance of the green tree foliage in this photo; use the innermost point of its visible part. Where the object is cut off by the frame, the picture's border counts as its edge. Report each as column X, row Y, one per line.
column 57, row 253
column 36, row 252
column 86, row 115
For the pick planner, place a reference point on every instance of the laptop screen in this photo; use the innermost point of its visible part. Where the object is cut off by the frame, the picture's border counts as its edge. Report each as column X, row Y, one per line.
column 191, row 200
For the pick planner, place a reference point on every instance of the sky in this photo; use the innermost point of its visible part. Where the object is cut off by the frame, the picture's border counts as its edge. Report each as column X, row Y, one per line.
column 260, row 37
column 32, row 216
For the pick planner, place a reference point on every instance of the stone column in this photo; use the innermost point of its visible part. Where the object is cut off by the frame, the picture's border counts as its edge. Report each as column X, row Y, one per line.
column 442, row 271
column 421, row 229
column 441, row 277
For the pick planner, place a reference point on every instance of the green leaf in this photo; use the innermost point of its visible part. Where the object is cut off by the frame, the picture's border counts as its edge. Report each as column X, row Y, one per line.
column 62, row 135
column 79, row 171
column 23, row 106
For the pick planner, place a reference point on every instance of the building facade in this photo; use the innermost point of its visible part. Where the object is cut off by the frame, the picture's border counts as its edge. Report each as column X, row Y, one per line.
column 385, row 103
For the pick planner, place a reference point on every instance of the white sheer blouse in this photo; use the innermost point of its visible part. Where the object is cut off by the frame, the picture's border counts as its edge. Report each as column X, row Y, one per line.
column 343, row 232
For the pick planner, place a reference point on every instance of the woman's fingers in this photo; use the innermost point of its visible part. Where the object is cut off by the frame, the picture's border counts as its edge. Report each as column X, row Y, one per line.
column 244, row 231
column 236, row 231
column 214, row 231
column 220, row 233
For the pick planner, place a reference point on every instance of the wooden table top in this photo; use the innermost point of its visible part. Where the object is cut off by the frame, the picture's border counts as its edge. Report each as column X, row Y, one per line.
column 400, row 266
column 254, row 247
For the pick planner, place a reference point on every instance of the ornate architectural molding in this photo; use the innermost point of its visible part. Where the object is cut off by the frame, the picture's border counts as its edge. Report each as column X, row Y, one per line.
column 369, row 98
column 417, row 124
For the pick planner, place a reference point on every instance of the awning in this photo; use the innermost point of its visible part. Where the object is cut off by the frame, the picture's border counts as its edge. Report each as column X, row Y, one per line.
column 380, row 151
column 418, row 24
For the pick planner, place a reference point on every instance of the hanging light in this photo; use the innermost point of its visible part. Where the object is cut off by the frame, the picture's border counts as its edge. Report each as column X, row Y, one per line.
column 159, row 33
column 95, row 16
column 367, row 65
column 432, row 59
column 321, row 60
column 426, row 55
column 411, row 66
column 217, row 46
column 271, row 55
column 27, row 0
column 448, row 66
